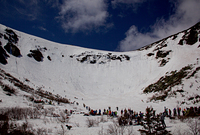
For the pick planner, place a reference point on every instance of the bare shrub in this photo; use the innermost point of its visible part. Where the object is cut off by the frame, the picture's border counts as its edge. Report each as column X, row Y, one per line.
column 51, row 110
column 115, row 129
column 45, row 112
column 23, row 129
column 179, row 131
column 26, row 112
column 194, row 126
column 36, row 114
column 62, row 131
column 92, row 122
column 41, row 131
column 63, row 118
column 39, row 106
column 101, row 132
column 15, row 113
column 9, row 89
column 26, row 127
column 103, row 119
column 4, row 125
column 48, row 111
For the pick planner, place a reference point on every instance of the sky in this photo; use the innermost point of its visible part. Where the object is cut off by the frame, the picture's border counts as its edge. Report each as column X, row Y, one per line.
column 111, row 25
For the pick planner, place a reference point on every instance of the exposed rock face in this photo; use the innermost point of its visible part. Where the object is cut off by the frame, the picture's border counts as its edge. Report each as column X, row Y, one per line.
column 12, row 49
column 49, row 58
column 162, row 89
column 3, row 56
column 91, row 58
column 191, row 36
column 36, row 54
column 12, row 36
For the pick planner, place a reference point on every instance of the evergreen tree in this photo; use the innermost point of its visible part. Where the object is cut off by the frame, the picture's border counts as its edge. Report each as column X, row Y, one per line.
column 152, row 124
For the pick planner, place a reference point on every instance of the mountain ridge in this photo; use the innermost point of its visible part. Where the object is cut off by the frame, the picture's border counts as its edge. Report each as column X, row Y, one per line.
column 107, row 76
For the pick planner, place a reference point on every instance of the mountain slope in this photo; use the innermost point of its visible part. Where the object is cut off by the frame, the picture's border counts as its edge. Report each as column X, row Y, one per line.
column 104, row 78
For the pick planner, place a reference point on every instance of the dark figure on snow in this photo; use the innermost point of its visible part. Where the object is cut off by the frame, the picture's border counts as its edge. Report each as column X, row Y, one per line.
column 170, row 113
column 162, row 119
column 183, row 113
column 166, row 111
column 178, row 110
column 68, row 127
column 174, row 111
column 99, row 111
column 154, row 113
column 141, row 115
column 130, row 123
column 138, row 120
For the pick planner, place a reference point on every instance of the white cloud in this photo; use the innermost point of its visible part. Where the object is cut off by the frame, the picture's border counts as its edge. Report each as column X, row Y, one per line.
column 135, row 39
column 186, row 14
column 81, row 15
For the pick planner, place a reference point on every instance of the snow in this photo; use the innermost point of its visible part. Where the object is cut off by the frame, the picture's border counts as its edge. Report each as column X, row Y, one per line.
column 114, row 83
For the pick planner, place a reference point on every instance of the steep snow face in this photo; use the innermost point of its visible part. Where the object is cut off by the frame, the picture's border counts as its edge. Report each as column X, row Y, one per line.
column 102, row 78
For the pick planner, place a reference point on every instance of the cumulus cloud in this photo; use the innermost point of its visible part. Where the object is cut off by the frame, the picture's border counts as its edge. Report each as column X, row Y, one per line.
column 135, row 39
column 81, row 15
column 186, row 14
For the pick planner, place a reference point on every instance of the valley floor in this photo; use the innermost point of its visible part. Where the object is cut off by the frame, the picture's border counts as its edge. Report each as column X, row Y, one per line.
column 52, row 119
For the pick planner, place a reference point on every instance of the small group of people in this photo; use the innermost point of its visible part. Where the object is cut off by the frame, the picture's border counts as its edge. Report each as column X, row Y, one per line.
column 188, row 111
column 94, row 112
column 128, row 115
column 108, row 112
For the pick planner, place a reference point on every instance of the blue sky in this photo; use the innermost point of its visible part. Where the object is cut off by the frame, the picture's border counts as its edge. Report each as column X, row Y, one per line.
column 112, row 25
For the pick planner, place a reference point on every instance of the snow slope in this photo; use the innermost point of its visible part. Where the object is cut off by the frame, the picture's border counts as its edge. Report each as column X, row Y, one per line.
column 110, row 83
column 100, row 79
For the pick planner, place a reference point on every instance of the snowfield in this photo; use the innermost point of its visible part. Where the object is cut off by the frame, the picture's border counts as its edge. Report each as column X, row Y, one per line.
column 99, row 79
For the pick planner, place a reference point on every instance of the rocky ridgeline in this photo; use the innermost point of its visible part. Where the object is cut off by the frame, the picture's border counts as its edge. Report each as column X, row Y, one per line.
column 190, row 37
column 10, row 47
column 161, row 55
column 91, row 58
